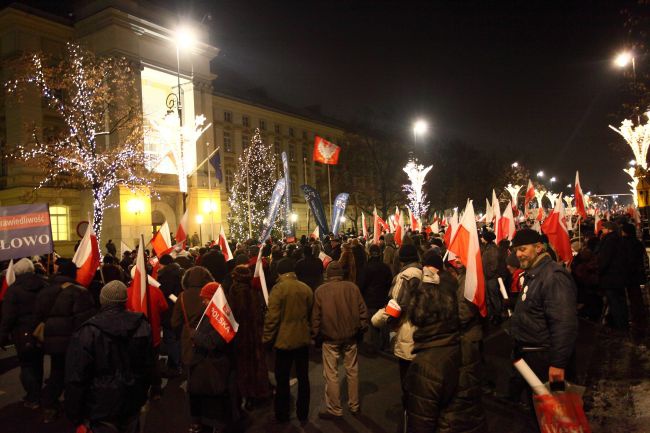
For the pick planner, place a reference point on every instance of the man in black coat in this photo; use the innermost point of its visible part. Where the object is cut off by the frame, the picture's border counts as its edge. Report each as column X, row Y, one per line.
column 18, row 322
column 612, row 268
column 635, row 274
column 375, row 285
column 109, row 366
column 170, row 275
column 544, row 323
column 309, row 269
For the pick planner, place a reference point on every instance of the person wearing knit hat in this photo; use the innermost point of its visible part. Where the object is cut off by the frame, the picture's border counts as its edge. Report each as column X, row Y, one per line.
column 433, row 259
column 113, row 292
column 23, row 266
column 286, row 265
column 408, row 253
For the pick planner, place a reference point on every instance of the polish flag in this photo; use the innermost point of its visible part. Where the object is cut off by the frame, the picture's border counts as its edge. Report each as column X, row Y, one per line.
column 540, row 214
column 489, row 212
column 315, row 234
column 580, row 199
column 414, row 222
column 506, row 224
column 220, row 316
column 364, row 227
column 223, row 244
column 325, row 259
column 399, row 230
column 598, row 224
column 140, row 281
column 451, row 229
column 87, row 257
column 181, row 232
column 383, row 225
column 555, row 229
column 8, row 280
column 530, row 194
column 496, row 210
column 435, row 227
column 259, row 273
column 375, row 227
column 465, row 245
column 162, row 240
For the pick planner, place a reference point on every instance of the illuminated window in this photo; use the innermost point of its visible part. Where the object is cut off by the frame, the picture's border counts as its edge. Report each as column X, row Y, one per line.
column 227, row 143
column 294, row 190
column 60, row 222
column 229, row 179
column 227, row 116
column 245, row 121
column 262, row 124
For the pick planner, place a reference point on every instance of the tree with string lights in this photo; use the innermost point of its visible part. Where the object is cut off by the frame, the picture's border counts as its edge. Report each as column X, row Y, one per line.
column 248, row 199
column 98, row 141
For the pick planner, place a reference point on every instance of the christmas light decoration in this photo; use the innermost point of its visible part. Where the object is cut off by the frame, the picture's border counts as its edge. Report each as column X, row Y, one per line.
column 416, row 197
column 539, row 195
column 255, row 177
column 552, row 196
column 631, row 171
column 638, row 138
column 100, row 144
column 513, row 190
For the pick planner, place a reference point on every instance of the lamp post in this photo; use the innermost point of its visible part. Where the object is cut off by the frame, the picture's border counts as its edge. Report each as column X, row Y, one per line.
column 419, row 127
column 622, row 60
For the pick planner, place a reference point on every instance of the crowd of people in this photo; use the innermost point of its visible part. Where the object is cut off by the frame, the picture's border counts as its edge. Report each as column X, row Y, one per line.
column 341, row 295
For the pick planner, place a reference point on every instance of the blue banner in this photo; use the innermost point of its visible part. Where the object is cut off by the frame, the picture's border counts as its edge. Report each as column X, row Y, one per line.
column 312, row 197
column 289, row 232
column 340, row 203
column 272, row 212
column 25, row 231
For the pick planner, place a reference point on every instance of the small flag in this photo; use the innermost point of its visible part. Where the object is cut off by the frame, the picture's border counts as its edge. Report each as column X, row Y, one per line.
column 259, row 273
column 162, row 240
column 364, row 227
column 558, row 236
column 87, row 258
column 506, row 224
column 181, row 233
column 580, row 199
column 598, row 224
column 326, row 152
column 315, row 234
column 496, row 210
column 8, row 280
column 325, row 259
column 215, row 161
column 139, row 283
column 221, row 317
column 223, row 244
column 530, row 194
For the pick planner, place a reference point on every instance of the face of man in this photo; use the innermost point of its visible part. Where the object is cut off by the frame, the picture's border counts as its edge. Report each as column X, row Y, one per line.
column 527, row 254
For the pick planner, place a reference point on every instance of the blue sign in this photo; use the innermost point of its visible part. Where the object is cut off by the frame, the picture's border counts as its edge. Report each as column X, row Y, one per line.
column 272, row 212
column 312, row 197
column 340, row 203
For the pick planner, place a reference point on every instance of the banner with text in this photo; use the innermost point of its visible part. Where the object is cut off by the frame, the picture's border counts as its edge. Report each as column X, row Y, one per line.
column 25, row 230
column 340, row 203
column 312, row 197
column 272, row 212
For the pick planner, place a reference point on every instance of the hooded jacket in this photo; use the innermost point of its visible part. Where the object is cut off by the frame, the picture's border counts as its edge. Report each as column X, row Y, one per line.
column 18, row 318
column 109, row 364
column 339, row 314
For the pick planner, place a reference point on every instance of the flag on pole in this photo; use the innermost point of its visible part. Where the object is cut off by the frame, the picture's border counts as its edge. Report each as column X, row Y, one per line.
column 399, row 230
column 326, row 152
column 451, row 229
column 181, row 232
column 124, row 247
column 325, row 259
column 223, row 244
column 220, row 316
column 414, row 222
column 259, row 274
column 496, row 210
column 315, row 234
column 364, row 227
column 530, row 194
column 8, row 280
column 465, row 245
column 506, row 224
column 489, row 212
column 598, row 224
column 580, row 199
column 375, row 227
column 162, row 240
column 555, row 229
column 139, row 281
column 87, row 257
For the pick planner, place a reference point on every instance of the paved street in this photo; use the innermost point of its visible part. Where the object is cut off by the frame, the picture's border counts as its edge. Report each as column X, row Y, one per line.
column 616, row 370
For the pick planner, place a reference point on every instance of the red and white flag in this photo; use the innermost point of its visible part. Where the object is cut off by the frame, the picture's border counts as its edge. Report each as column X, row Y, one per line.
column 223, row 244
column 555, row 229
column 326, row 152
column 375, row 227
column 435, row 228
column 451, row 229
column 506, row 224
column 325, row 259
column 162, row 240
column 580, row 199
column 414, row 221
column 364, row 227
column 465, row 245
column 399, row 230
column 8, row 280
column 530, row 194
column 496, row 210
column 315, row 234
column 598, row 223
column 220, row 316
column 87, row 257
column 181, row 232
column 489, row 212
column 140, row 282
column 259, row 273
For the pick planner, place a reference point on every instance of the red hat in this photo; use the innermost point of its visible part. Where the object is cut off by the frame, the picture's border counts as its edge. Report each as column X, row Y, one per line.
column 208, row 291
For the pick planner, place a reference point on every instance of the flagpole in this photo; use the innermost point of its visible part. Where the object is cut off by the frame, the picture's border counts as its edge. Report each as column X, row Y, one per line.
column 304, row 166
column 329, row 187
column 210, row 202
column 146, row 278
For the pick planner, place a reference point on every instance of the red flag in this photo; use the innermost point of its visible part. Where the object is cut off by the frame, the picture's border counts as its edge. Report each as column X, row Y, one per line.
column 87, row 258
column 496, row 211
column 540, row 214
column 451, row 228
column 181, row 233
column 315, row 234
column 465, row 245
column 326, row 152
column 598, row 224
column 375, row 228
column 162, row 240
column 530, row 194
column 399, row 230
column 220, row 316
column 259, row 275
column 364, row 227
column 506, row 224
column 580, row 200
column 8, row 280
column 223, row 244
column 555, row 229
column 139, row 281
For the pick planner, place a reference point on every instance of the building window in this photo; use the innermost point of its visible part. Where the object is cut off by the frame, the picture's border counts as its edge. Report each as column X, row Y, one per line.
column 304, row 135
column 227, row 116
column 294, row 190
column 290, row 132
column 292, row 152
column 277, row 128
column 229, row 179
column 227, row 143
column 60, row 221
column 304, row 153
column 276, row 145
column 246, row 121
column 262, row 124
column 245, row 140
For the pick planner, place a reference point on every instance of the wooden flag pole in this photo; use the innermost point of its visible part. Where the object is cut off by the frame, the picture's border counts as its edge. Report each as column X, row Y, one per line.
column 329, row 187
column 304, row 166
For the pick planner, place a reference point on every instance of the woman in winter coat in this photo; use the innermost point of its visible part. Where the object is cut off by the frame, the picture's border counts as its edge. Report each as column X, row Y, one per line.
column 247, row 306
column 348, row 262
column 441, row 396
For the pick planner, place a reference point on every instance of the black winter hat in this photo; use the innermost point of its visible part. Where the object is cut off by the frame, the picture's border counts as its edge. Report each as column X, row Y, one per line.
column 526, row 237
column 408, row 253
column 488, row 236
column 286, row 265
column 432, row 258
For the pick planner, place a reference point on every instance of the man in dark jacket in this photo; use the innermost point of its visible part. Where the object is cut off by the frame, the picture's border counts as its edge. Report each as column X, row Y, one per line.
column 374, row 288
column 215, row 262
column 108, row 366
column 170, row 274
column 18, row 321
column 309, row 269
column 490, row 259
column 544, row 323
column 611, row 274
column 635, row 273
column 339, row 319
column 63, row 307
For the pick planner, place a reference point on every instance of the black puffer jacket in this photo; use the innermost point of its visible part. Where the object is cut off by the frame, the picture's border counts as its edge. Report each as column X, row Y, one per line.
column 108, row 367
column 18, row 319
column 309, row 270
column 545, row 314
column 612, row 264
column 170, row 277
column 63, row 309
column 441, row 396
column 376, row 283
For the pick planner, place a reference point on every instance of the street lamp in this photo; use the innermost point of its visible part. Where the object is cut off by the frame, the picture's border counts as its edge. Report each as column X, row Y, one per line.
column 419, row 127
column 553, row 179
column 540, row 173
column 622, row 60
column 514, row 164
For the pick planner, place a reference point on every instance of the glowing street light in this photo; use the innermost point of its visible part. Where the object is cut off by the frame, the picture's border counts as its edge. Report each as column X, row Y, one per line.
column 184, row 37
column 419, row 127
column 293, row 217
column 632, row 162
column 514, row 164
column 553, row 179
column 569, row 185
column 540, row 173
column 623, row 59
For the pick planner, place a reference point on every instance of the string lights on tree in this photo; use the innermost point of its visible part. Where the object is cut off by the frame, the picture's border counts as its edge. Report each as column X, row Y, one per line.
column 255, row 178
column 638, row 138
column 416, row 197
column 99, row 144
